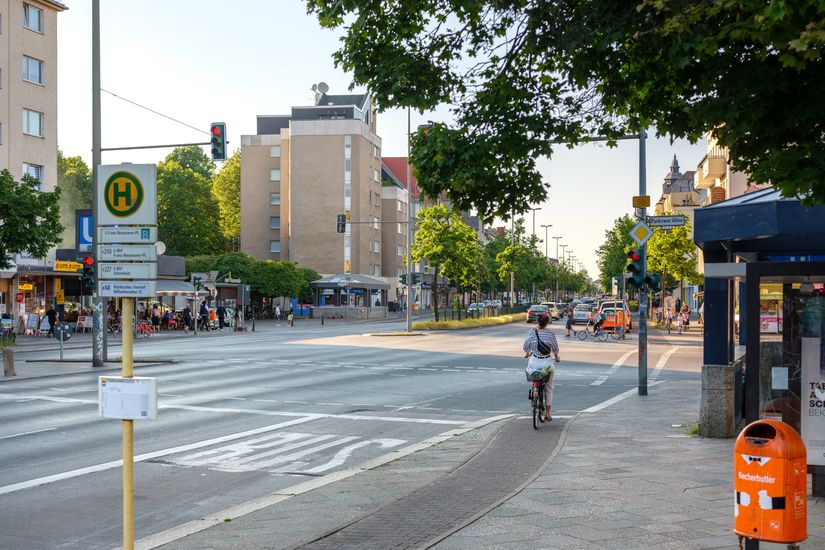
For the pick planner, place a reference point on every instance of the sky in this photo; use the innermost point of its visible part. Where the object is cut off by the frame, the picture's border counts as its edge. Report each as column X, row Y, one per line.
column 203, row 61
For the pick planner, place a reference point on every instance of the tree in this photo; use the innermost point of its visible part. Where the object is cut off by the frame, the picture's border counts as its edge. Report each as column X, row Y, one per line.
column 308, row 275
column 29, row 218
column 200, row 264
column 272, row 279
column 749, row 71
column 674, row 252
column 193, row 157
column 74, row 179
column 239, row 265
column 611, row 256
column 449, row 245
column 187, row 212
column 227, row 190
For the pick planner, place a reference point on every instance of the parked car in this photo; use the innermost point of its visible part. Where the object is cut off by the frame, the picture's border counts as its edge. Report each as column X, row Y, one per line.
column 553, row 309
column 534, row 312
column 474, row 307
column 582, row 314
column 494, row 303
column 617, row 304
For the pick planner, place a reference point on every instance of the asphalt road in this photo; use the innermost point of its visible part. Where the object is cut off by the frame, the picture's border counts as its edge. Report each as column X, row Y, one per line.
column 245, row 415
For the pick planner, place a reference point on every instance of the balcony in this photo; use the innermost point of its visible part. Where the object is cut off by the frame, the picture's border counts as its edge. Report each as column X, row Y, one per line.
column 711, row 168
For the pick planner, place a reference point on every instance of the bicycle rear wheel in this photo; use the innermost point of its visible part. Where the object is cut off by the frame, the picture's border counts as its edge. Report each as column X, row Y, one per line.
column 602, row 336
column 582, row 334
column 537, row 412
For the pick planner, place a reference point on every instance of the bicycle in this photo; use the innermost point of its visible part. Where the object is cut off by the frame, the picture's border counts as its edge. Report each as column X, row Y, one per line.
column 537, row 378
column 144, row 329
column 617, row 334
column 598, row 333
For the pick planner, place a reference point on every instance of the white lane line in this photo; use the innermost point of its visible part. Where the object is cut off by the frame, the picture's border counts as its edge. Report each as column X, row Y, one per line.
column 425, row 368
column 332, row 404
column 148, row 456
column 602, row 379
column 27, row 433
column 195, row 526
column 615, row 399
column 660, row 364
column 297, row 402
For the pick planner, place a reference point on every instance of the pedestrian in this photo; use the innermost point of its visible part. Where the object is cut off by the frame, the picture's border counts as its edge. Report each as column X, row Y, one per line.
column 541, row 347
column 702, row 314
column 221, row 317
column 569, row 324
column 291, row 318
column 51, row 315
column 204, row 315
column 237, row 316
column 678, row 307
column 156, row 317
column 277, row 312
column 187, row 319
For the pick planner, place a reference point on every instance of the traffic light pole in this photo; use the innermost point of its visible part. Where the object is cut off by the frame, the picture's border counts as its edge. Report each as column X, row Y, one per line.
column 642, row 288
column 409, row 227
column 98, row 311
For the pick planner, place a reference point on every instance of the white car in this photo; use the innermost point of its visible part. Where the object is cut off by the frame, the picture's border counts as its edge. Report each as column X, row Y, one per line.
column 582, row 314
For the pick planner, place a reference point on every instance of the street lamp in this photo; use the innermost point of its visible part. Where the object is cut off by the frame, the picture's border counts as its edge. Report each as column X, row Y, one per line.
column 557, row 239
column 561, row 259
column 546, row 227
column 534, row 219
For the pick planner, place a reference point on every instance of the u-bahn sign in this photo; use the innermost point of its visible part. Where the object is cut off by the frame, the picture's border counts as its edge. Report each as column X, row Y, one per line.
column 127, row 194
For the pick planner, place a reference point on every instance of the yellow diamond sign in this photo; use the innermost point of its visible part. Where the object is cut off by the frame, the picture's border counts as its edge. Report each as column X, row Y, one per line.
column 641, row 233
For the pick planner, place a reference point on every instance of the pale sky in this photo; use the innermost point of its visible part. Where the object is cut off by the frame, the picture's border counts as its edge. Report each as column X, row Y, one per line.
column 203, row 61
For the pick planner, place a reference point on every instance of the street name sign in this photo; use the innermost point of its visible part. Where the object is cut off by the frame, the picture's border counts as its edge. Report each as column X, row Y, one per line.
column 127, row 253
column 67, row 266
column 127, row 271
column 124, row 289
column 641, row 233
column 666, row 221
column 127, row 235
column 127, row 194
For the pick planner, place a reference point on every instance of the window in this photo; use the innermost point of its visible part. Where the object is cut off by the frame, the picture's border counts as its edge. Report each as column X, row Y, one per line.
column 274, row 175
column 275, row 246
column 347, row 165
column 400, row 250
column 401, row 228
column 376, row 199
column 32, row 18
column 32, row 70
column 375, row 223
column 274, row 222
column 376, row 270
column 376, row 247
column 32, row 123
column 274, row 198
column 400, row 206
column 347, row 143
column 275, row 151
column 33, row 170
column 376, row 176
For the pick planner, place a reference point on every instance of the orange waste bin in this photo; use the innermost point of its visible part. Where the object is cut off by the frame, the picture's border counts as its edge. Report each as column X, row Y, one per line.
column 770, row 483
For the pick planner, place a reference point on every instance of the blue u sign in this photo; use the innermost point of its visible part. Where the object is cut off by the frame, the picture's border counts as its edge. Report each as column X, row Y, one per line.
column 84, row 230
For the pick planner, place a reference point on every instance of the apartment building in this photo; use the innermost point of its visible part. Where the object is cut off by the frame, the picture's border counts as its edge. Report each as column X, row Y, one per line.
column 714, row 175
column 28, row 121
column 300, row 171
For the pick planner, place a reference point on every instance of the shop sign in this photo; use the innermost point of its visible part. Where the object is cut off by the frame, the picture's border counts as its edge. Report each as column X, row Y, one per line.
column 19, row 297
column 60, row 298
column 813, row 399
column 26, row 286
column 67, row 266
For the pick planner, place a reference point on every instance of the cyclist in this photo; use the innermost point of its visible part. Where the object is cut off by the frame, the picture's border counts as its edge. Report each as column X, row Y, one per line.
column 598, row 320
column 540, row 359
column 668, row 319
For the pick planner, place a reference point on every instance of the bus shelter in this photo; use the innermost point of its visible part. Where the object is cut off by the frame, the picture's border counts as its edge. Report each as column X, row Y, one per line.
column 349, row 295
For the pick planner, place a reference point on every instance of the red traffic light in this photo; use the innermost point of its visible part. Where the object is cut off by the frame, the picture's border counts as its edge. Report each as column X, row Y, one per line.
column 216, row 130
column 88, row 260
column 633, row 255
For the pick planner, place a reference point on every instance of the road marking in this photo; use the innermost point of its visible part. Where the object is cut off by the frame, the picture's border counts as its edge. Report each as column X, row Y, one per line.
column 195, row 526
column 615, row 399
column 660, row 364
column 27, row 433
column 602, row 379
column 148, row 456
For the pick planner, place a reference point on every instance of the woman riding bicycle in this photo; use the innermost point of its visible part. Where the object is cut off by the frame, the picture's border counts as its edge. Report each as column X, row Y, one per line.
column 541, row 355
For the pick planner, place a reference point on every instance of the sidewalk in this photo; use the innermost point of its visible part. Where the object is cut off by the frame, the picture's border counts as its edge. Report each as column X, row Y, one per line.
column 626, row 477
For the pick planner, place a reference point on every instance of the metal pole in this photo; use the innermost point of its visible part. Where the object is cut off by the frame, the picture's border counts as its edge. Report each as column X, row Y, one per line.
column 561, row 259
column 642, row 291
column 128, row 435
column 409, row 226
column 557, row 266
column 99, row 339
column 512, row 243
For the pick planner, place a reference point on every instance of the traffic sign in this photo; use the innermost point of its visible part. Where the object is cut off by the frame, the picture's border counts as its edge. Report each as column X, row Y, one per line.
column 127, row 271
column 127, row 194
column 67, row 266
column 127, row 253
column 641, row 201
column 127, row 235
column 641, row 233
column 666, row 221
column 124, row 289
column 19, row 297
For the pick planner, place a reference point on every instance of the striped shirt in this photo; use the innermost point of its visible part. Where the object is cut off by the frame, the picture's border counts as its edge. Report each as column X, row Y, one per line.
column 531, row 343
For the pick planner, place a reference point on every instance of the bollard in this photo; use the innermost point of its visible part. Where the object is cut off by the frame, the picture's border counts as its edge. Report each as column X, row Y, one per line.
column 322, row 319
column 8, row 362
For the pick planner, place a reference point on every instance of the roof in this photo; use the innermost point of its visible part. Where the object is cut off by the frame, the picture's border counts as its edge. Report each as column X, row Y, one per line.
column 59, row 6
column 352, row 280
column 359, row 100
column 397, row 167
column 768, row 194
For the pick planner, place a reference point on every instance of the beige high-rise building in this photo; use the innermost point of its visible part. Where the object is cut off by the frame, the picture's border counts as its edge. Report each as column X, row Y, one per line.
column 299, row 172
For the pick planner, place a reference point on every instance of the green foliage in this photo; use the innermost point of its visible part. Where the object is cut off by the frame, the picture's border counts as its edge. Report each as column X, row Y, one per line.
column 749, row 70
column 611, row 256
column 308, row 275
column 675, row 252
column 276, row 279
column 187, row 212
column 74, row 178
column 227, row 190
column 239, row 264
column 29, row 218
column 200, row 264
column 195, row 159
column 470, row 323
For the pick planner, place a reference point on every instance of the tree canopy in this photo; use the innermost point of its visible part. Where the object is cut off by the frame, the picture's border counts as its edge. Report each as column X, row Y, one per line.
column 611, row 256
column 674, row 254
column 521, row 75
column 193, row 157
column 29, row 218
column 227, row 190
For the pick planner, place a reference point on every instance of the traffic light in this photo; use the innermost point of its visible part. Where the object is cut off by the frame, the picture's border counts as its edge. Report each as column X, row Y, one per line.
column 653, row 282
column 342, row 223
column 217, row 133
column 416, row 278
column 425, row 129
column 196, row 282
column 403, row 278
column 88, row 279
column 634, row 267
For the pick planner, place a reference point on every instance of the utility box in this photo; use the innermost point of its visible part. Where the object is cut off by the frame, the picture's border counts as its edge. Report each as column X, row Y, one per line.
column 127, row 398
column 770, row 483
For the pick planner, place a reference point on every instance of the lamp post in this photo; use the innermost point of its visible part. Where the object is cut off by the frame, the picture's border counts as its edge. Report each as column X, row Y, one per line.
column 561, row 260
column 534, row 219
column 557, row 239
column 546, row 227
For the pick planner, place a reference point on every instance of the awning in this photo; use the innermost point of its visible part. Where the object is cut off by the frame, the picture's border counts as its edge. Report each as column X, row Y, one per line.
column 171, row 287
